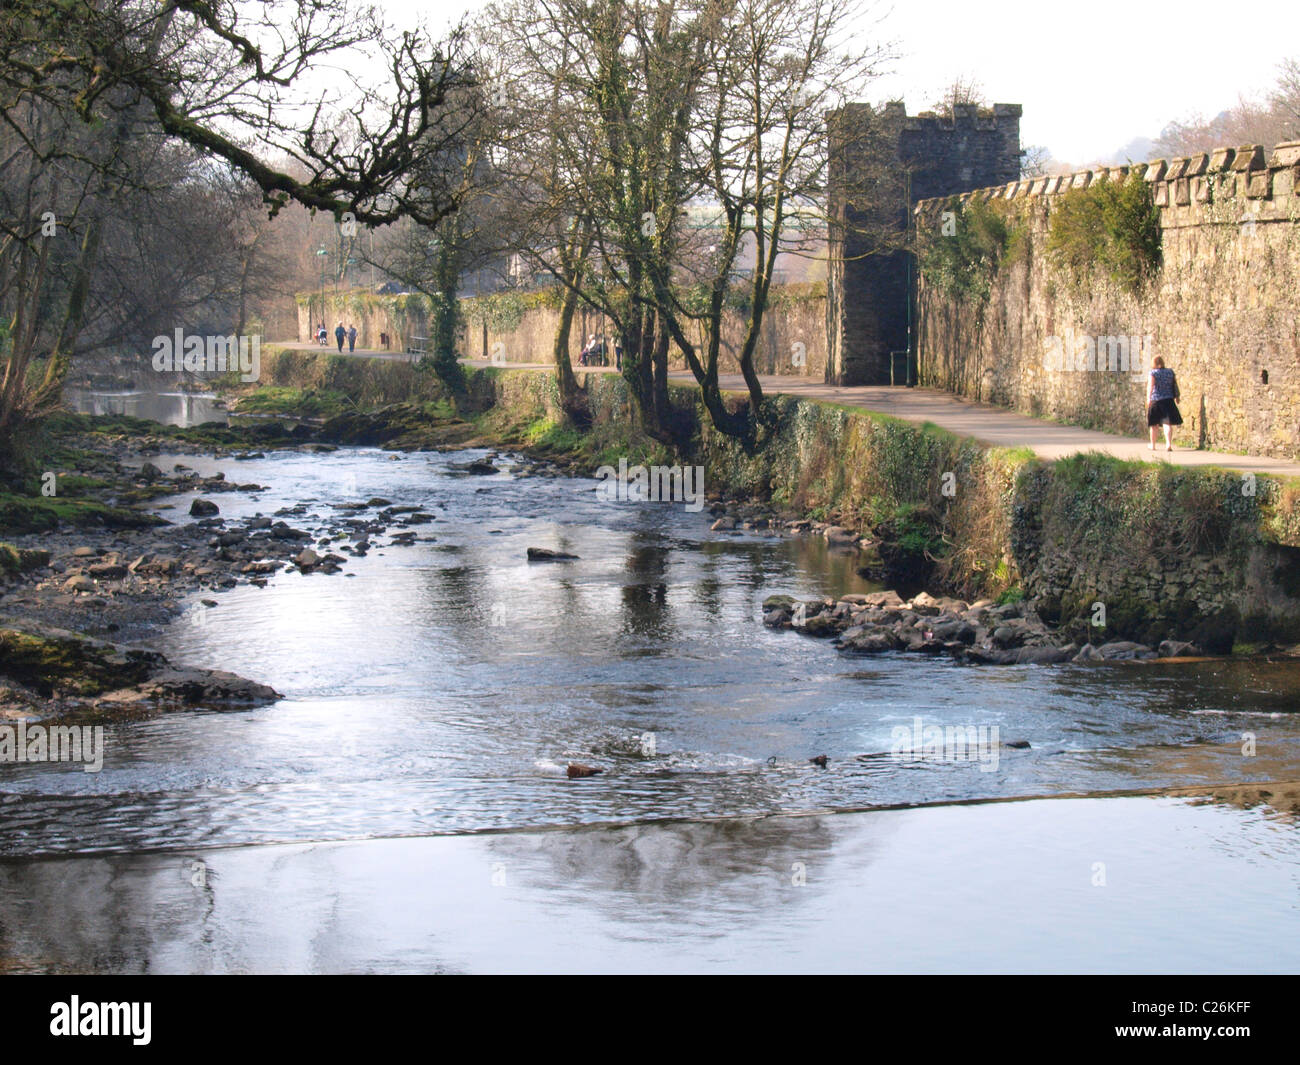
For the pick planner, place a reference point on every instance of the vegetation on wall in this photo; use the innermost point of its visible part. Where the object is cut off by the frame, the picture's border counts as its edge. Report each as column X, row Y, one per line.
column 504, row 311
column 1111, row 228
column 963, row 253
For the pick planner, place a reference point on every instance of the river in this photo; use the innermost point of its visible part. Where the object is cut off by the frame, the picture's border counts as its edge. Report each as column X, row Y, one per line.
column 439, row 690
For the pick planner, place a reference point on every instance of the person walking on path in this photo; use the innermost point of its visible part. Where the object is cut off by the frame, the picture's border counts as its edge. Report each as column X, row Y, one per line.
column 339, row 334
column 1162, row 408
column 352, row 339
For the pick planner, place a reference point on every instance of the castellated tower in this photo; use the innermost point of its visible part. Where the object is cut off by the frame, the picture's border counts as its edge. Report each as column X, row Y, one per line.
column 881, row 163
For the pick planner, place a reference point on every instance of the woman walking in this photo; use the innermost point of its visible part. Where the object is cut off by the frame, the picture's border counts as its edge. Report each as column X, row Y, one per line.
column 1162, row 392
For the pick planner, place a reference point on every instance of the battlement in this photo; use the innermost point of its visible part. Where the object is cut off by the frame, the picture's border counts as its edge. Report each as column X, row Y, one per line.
column 963, row 117
column 1196, row 179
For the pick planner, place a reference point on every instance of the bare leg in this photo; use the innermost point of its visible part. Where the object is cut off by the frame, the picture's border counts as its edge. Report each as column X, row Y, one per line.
column 1152, row 445
column 1169, row 437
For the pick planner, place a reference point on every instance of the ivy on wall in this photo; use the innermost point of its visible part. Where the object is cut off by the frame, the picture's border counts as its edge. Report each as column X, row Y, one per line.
column 1111, row 228
column 962, row 253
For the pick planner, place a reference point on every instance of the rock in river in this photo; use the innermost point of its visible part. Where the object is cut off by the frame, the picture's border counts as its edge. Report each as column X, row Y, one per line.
column 545, row 554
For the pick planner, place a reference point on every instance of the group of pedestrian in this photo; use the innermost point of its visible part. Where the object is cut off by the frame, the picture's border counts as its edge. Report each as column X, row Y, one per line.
column 340, row 334
column 596, row 352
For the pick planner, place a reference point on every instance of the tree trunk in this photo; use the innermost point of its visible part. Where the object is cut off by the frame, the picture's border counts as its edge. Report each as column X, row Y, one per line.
column 570, row 394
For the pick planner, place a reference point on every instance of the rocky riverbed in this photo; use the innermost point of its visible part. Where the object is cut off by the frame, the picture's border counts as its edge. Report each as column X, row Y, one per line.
column 79, row 602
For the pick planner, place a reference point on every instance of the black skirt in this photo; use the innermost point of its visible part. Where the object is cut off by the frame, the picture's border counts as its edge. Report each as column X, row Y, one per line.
column 1163, row 411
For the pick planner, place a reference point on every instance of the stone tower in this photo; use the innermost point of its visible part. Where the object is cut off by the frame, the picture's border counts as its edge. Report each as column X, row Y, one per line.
column 881, row 163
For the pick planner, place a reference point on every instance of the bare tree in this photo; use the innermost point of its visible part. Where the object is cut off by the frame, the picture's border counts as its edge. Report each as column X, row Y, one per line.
column 84, row 81
column 1267, row 121
column 671, row 108
column 964, row 89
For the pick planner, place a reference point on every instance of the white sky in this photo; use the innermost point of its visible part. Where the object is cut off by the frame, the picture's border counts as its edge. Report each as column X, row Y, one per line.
column 1092, row 76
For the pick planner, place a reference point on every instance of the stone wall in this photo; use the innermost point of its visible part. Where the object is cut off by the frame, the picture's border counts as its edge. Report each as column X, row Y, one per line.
column 881, row 163
column 793, row 338
column 400, row 316
column 1223, row 310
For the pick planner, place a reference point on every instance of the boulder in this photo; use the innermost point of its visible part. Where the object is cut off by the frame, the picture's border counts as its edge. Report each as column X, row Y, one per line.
column 1042, row 656
column 107, row 571
column 888, row 600
column 820, row 625
column 1008, row 636
column 203, row 508
column 1124, row 650
column 925, row 604
column 956, row 630
column 873, row 641
column 545, row 554
column 982, row 656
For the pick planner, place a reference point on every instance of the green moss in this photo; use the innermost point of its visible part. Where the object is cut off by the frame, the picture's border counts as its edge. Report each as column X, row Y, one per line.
column 26, row 514
column 551, row 435
column 63, row 661
column 22, row 559
column 73, row 484
column 293, row 402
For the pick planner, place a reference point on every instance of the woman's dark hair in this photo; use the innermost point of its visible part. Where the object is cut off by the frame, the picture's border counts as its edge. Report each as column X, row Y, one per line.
column 1158, row 363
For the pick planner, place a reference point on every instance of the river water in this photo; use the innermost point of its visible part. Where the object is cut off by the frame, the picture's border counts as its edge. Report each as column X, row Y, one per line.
column 169, row 408
column 441, row 689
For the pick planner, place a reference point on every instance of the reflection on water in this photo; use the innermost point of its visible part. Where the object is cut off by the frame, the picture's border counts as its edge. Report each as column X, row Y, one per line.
column 446, row 686
column 169, row 408
column 1009, row 887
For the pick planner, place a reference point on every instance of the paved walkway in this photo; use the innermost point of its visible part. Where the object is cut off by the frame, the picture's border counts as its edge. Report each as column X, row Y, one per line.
column 988, row 424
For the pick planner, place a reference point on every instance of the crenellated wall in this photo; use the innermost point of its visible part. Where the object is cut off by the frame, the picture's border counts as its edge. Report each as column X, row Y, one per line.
column 1223, row 310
